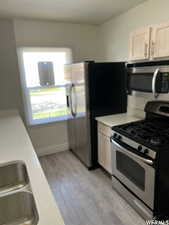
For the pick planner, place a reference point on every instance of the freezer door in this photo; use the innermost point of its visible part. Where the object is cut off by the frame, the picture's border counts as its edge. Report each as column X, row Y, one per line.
column 68, row 73
column 82, row 118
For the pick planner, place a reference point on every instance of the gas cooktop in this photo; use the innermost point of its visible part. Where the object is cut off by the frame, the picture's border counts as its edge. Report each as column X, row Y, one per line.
column 151, row 132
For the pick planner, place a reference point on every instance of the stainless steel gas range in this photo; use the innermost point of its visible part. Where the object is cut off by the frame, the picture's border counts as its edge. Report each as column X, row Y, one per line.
column 140, row 161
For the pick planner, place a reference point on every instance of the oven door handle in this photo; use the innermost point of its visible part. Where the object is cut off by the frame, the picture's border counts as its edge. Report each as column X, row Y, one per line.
column 147, row 161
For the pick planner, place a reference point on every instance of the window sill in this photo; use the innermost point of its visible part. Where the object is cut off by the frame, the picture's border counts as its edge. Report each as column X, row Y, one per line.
column 48, row 121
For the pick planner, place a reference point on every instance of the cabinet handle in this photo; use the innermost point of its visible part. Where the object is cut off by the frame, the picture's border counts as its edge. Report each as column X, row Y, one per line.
column 145, row 50
column 152, row 48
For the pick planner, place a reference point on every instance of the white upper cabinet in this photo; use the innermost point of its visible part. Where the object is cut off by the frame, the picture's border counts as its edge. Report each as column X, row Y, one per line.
column 150, row 43
column 140, row 44
column 160, row 41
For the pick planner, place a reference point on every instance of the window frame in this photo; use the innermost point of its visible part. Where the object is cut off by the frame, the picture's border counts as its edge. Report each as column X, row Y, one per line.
column 25, row 90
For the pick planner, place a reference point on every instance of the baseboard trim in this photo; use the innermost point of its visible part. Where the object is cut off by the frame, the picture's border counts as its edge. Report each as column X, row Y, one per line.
column 51, row 149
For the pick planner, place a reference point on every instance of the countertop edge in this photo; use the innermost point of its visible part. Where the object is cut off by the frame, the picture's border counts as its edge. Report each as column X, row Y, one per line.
column 16, row 146
column 116, row 119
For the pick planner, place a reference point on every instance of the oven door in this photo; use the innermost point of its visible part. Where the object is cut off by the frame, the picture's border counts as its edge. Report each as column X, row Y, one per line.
column 134, row 171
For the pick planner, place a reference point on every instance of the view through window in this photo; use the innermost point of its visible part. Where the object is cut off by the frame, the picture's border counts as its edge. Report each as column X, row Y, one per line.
column 43, row 83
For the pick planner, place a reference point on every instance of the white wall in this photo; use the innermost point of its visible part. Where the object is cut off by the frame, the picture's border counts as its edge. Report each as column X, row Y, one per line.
column 115, row 33
column 49, row 138
column 115, row 38
column 10, row 93
column 83, row 40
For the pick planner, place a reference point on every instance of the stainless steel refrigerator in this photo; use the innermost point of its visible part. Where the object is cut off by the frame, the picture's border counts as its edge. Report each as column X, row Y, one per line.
column 93, row 89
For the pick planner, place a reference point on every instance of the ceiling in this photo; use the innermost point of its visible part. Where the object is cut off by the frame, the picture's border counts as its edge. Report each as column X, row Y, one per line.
column 76, row 11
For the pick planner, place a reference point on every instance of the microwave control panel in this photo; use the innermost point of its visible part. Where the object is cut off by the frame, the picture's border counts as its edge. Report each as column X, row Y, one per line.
column 165, row 83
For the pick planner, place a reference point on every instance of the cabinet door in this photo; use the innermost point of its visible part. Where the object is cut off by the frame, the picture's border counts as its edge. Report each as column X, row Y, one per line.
column 104, row 152
column 140, row 44
column 160, row 41
column 101, row 155
column 108, row 160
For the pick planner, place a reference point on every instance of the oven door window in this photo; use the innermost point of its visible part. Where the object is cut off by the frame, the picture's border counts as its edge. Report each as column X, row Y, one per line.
column 130, row 169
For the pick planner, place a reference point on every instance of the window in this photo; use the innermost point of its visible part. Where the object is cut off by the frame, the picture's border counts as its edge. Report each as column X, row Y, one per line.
column 43, row 83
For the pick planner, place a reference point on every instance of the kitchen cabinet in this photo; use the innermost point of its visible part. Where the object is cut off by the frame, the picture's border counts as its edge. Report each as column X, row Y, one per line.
column 150, row 43
column 104, row 147
column 160, row 41
column 140, row 44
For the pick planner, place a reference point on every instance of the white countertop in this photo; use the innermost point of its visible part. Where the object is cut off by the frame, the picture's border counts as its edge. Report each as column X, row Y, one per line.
column 117, row 119
column 15, row 145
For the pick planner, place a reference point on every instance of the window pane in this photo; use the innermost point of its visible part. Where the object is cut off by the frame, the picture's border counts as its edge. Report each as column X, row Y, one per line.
column 44, row 83
column 131, row 169
column 48, row 102
column 31, row 65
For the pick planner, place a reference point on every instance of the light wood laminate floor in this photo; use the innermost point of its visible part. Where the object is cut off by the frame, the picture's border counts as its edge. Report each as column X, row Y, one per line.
column 85, row 197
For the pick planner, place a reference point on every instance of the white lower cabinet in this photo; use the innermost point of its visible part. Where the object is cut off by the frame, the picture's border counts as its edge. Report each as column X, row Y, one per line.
column 104, row 147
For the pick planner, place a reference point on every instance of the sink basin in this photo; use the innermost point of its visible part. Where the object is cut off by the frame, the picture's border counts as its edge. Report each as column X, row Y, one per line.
column 13, row 176
column 18, row 209
column 17, row 204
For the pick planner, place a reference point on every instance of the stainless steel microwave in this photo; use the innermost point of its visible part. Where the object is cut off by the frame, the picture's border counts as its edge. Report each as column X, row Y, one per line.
column 148, row 77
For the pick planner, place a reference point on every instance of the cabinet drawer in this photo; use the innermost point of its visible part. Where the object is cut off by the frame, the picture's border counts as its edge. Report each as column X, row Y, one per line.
column 104, row 129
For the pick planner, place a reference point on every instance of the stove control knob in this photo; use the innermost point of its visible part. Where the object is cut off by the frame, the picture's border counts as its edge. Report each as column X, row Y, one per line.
column 119, row 137
column 146, row 151
column 139, row 148
column 114, row 135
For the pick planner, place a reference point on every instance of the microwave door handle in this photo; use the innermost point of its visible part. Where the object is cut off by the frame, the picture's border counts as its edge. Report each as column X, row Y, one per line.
column 147, row 161
column 154, row 82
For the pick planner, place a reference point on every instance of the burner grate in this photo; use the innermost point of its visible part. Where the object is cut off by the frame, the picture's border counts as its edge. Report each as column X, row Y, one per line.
column 153, row 132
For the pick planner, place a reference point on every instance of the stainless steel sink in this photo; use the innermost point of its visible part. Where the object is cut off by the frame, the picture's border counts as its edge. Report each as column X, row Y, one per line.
column 13, row 176
column 18, row 209
column 17, row 204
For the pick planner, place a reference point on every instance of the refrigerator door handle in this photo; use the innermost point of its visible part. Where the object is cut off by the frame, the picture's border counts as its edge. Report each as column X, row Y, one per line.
column 71, row 106
column 67, row 101
column 75, row 100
